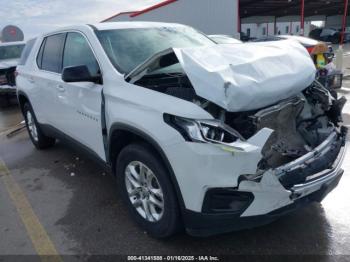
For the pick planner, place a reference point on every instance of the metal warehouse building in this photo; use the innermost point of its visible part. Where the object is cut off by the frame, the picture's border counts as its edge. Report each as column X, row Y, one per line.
column 234, row 16
column 204, row 15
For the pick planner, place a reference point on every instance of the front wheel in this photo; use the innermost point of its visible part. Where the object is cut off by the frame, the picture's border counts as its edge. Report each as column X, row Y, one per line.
column 147, row 190
column 38, row 138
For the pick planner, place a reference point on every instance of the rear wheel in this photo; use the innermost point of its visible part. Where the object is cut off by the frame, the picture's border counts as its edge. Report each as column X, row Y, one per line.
column 38, row 138
column 147, row 191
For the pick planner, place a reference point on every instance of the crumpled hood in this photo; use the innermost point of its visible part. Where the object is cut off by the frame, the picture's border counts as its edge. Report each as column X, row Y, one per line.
column 249, row 76
column 240, row 77
column 4, row 64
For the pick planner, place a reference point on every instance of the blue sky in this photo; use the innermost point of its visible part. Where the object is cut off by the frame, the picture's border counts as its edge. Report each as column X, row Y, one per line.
column 38, row 16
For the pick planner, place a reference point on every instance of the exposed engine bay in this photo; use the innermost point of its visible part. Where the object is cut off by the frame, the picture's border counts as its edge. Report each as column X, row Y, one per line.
column 300, row 123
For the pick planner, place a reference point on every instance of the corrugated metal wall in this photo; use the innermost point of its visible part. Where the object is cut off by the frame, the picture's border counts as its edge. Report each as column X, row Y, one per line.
column 209, row 16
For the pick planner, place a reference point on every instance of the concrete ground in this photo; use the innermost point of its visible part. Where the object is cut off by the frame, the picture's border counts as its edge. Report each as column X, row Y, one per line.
column 59, row 202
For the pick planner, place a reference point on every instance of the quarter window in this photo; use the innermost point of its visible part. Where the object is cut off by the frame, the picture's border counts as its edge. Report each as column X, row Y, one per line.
column 39, row 58
column 77, row 52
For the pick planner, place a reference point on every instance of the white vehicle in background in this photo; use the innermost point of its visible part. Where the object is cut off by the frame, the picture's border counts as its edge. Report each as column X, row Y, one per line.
column 10, row 54
column 210, row 138
column 224, row 39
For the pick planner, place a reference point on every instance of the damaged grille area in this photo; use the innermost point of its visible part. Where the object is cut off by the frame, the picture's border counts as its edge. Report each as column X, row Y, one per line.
column 321, row 161
column 286, row 143
column 300, row 125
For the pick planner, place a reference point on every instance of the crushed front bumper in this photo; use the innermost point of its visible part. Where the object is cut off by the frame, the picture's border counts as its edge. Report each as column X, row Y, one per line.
column 202, row 225
column 320, row 173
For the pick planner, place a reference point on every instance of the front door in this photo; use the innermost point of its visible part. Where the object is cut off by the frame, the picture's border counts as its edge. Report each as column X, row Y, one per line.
column 80, row 102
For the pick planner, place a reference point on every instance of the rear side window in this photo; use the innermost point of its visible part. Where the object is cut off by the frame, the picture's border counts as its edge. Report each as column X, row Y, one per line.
column 77, row 52
column 26, row 51
column 50, row 54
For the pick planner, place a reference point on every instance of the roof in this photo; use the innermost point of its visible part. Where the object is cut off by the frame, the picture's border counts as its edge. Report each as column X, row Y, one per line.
column 280, row 8
column 124, row 25
column 110, row 26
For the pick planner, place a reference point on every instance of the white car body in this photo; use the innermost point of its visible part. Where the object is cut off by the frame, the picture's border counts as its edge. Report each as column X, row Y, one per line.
column 75, row 110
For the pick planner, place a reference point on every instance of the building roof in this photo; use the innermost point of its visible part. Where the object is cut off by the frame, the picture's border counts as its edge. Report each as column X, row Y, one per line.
column 140, row 12
column 153, row 7
column 280, row 8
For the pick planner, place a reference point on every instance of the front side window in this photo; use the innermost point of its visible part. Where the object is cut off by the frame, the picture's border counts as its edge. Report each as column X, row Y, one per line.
column 77, row 52
column 52, row 53
column 128, row 48
column 11, row 51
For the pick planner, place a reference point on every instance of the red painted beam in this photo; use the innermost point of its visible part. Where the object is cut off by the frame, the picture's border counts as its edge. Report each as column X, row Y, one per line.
column 346, row 4
column 153, row 7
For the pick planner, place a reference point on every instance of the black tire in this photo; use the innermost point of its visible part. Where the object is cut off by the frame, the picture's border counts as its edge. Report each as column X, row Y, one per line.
column 42, row 141
column 170, row 222
column 335, row 39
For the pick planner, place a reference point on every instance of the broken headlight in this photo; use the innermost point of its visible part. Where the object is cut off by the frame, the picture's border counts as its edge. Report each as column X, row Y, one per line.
column 202, row 130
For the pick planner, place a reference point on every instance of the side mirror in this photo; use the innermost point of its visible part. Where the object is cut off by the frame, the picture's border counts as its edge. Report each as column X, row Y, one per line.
column 79, row 73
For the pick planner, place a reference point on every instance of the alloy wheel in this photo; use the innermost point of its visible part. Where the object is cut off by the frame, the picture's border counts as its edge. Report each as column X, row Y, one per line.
column 144, row 191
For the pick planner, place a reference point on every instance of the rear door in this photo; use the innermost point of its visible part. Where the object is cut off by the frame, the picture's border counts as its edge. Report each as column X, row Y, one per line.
column 47, row 79
column 79, row 113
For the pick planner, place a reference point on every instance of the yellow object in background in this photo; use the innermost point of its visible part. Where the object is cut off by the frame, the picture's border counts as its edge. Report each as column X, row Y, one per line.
column 320, row 61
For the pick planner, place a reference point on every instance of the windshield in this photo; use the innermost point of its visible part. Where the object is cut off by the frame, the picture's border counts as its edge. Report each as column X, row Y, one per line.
column 128, row 48
column 11, row 51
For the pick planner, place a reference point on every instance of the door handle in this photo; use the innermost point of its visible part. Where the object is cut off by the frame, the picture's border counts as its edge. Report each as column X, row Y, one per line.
column 60, row 88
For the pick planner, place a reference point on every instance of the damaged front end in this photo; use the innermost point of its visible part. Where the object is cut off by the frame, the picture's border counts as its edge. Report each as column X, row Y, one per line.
column 303, row 154
column 261, row 103
column 301, row 124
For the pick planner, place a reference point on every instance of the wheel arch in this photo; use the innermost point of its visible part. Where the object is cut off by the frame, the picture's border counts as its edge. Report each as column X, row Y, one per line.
column 122, row 135
column 22, row 99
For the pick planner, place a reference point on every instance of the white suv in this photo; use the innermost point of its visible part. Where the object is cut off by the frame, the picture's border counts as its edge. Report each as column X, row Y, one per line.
column 210, row 138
